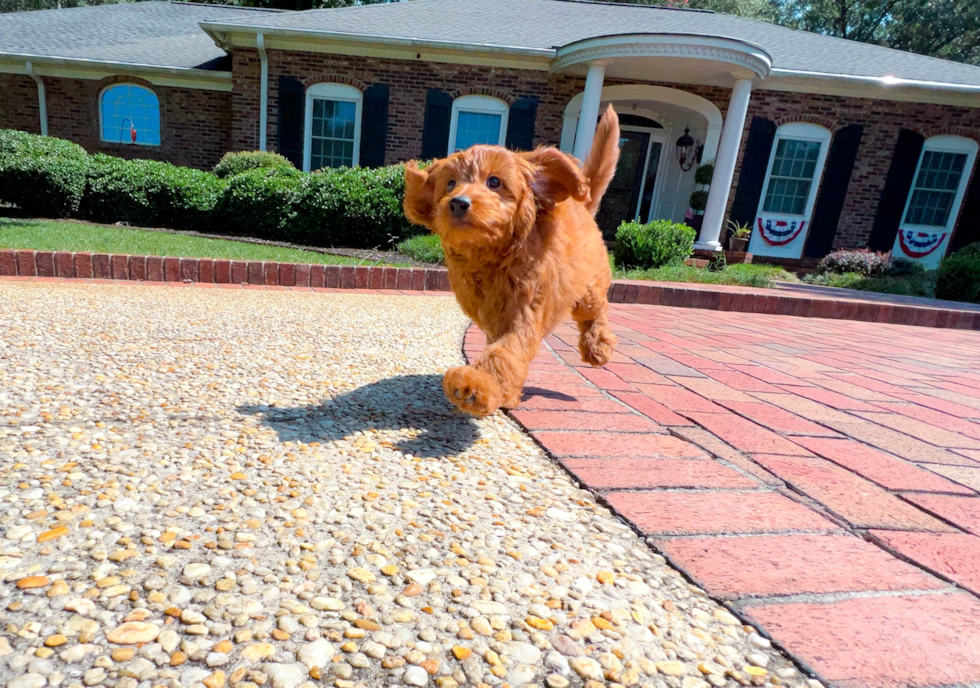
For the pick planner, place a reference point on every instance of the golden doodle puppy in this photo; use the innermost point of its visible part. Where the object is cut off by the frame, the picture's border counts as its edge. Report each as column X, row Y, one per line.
column 523, row 251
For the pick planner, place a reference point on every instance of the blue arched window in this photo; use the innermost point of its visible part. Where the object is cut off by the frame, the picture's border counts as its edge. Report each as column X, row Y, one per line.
column 130, row 114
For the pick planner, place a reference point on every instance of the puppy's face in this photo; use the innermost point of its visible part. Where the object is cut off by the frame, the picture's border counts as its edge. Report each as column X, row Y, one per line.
column 488, row 196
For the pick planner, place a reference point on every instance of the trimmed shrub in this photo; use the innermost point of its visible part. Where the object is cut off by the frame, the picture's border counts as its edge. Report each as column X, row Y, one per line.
column 425, row 248
column 862, row 261
column 353, row 207
column 260, row 203
column 236, row 163
column 970, row 249
column 150, row 194
column 42, row 175
column 958, row 277
column 903, row 267
column 652, row 245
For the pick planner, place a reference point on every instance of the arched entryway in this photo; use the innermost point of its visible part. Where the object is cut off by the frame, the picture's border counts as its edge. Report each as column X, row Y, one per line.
column 649, row 183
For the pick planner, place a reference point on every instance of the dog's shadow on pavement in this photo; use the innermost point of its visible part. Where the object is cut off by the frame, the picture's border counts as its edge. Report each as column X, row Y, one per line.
column 408, row 402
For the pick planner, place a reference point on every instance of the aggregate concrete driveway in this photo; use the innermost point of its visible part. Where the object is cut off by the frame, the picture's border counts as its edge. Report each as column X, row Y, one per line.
column 206, row 487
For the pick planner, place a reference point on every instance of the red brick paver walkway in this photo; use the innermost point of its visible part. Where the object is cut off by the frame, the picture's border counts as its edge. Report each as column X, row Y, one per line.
column 819, row 476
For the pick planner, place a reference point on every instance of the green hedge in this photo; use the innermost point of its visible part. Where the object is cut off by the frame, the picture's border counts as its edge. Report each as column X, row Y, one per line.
column 236, row 163
column 249, row 194
column 657, row 244
column 958, row 277
column 150, row 193
column 425, row 248
column 40, row 174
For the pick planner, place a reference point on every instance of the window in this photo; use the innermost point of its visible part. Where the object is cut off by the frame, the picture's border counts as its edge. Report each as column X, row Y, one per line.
column 333, row 126
column 129, row 114
column 477, row 120
column 791, row 176
column 934, row 191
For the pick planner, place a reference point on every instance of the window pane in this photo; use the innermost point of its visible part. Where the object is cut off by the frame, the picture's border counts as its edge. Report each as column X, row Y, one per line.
column 130, row 111
column 935, row 188
column 473, row 128
column 332, row 143
column 793, row 169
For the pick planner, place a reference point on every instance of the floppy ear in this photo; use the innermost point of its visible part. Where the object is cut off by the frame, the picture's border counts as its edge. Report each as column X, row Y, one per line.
column 557, row 177
column 419, row 195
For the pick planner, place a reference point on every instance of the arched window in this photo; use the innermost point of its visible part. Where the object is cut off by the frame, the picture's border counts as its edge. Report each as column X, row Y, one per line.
column 796, row 163
column 477, row 119
column 129, row 114
column 934, row 200
column 333, row 126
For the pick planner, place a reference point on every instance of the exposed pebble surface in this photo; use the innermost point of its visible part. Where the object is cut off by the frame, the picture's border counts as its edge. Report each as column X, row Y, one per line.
column 255, row 488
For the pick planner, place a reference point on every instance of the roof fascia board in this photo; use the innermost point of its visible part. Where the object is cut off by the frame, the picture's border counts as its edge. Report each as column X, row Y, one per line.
column 73, row 68
column 875, row 88
column 213, row 28
column 431, row 53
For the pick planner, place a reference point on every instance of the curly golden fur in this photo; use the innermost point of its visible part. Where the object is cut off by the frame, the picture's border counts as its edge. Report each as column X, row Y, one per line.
column 523, row 251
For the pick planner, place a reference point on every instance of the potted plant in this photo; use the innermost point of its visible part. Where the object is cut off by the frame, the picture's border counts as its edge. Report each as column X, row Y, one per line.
column 738, row 236
column 699, row 198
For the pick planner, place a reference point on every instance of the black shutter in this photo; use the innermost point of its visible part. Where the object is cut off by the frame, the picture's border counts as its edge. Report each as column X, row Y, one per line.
column 968, row 229
column 292, row 103
column 520, row 124
column 374, row 126
column 891, row 205
column 830, row 202
column 435, row 130
column 753, row 174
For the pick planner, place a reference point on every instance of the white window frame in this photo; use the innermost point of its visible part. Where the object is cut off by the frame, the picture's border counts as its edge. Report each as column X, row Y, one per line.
column 487, row 105
column 799, row 131
column 130, row 143
column 945, row 143
column 337, row 92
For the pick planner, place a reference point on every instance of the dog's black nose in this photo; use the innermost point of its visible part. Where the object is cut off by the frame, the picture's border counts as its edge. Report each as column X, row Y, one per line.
column 459, row 205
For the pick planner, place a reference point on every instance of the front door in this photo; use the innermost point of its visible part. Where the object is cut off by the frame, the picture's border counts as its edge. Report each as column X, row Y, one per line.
column 624, row 192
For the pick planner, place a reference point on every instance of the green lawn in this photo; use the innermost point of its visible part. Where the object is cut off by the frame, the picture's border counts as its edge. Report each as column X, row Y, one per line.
column 737, row 274
column 58, row 235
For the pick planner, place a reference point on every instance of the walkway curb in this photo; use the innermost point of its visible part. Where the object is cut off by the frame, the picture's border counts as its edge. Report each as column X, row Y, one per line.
column 26, row 263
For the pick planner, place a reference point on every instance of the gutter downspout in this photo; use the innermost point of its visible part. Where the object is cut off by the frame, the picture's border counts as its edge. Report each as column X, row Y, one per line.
column 263, row 90
column 42, row 98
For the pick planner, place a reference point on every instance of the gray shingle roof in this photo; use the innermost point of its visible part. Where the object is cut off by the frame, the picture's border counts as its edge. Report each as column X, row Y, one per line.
column 161, row 34
column 548, row 24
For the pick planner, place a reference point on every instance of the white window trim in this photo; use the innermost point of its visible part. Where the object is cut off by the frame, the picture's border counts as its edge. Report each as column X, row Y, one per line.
column 480, row 104
column 799, row 131
column 159, row 114
column 340, row 92
column 945, row 143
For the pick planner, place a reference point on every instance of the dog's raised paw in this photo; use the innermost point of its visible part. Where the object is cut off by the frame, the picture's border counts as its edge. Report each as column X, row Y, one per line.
column 472, row 390
column 597, row 346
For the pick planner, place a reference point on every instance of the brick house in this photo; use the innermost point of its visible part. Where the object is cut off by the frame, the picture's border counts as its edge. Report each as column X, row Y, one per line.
column 817, row 142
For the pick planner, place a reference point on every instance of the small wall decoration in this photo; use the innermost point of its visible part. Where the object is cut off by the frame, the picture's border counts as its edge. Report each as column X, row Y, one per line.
column 926, row 247
column 780, row 236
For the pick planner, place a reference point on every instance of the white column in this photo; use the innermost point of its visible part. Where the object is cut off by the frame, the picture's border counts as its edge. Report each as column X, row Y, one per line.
column 590, row 110
column 721, row 181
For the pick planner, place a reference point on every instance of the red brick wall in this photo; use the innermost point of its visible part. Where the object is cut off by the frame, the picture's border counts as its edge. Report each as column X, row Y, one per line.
column 18, row 103
column 196, row 124
column 882, row 120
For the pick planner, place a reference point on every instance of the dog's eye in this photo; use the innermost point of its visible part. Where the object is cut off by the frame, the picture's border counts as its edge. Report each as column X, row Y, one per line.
column 493, row 182
column 450, row 185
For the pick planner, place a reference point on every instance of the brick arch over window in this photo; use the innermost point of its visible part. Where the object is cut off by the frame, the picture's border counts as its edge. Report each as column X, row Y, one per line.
column 121, row 79
column 481, row 91
column 324, row 78
column 824, row 122
column 965, row 132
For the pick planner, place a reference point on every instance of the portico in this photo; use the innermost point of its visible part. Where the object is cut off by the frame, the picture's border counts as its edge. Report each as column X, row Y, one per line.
column 662, row 190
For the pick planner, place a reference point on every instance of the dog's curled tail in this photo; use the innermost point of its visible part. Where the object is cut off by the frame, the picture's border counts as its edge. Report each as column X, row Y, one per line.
column 600, row 163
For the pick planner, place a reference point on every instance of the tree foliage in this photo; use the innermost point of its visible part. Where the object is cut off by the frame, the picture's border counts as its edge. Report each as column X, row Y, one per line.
column 949, row 29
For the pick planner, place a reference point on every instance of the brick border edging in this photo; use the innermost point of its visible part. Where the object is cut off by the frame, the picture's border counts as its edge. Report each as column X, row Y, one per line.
column 28, row 263
column 218, row 271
